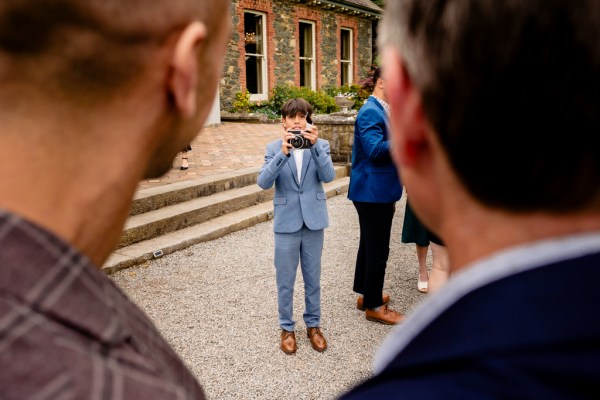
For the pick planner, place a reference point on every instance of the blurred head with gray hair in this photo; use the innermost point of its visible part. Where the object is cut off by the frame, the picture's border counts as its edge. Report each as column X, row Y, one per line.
column 511, row 90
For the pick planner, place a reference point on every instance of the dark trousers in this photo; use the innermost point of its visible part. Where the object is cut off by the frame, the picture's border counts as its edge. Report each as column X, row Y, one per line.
column 375, row 229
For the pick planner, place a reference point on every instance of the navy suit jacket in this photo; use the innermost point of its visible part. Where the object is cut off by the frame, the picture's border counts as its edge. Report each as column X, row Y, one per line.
column 297, row 203
column 532, row 335
column 374, row 178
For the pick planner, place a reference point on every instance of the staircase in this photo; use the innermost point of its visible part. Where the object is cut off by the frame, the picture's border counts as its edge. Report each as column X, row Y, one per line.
column 172, row 217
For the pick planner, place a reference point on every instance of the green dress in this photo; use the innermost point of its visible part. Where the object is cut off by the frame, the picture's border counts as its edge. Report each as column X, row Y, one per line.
column 413, row 230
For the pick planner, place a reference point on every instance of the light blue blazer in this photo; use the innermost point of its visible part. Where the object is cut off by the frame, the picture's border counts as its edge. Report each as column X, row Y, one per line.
column 297, row 203
column 374, row 178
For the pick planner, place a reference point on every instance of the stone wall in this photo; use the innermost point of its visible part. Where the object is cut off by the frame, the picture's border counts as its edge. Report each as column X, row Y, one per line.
column 282, row 45
column 284, row 42
column 230, row 81
column 339, row 131
column 329, row 51
column 365, row 41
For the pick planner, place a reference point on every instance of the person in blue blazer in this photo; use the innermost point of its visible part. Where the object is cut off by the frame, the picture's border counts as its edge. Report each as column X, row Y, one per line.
column 495, row 109
column 300, row 218
column 374, row 190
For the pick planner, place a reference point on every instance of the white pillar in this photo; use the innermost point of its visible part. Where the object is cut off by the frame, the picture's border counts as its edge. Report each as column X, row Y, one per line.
column 215, row 113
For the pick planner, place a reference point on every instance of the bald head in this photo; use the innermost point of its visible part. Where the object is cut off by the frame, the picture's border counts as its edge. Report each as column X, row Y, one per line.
column 90, row 46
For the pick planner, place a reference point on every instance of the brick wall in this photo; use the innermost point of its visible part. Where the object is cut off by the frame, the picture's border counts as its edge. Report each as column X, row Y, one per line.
column 310, row 15
column 283, row 17
column 363, row 57
column 231, row 77
column 352, row 23
column 340, row 134
column 285, row 44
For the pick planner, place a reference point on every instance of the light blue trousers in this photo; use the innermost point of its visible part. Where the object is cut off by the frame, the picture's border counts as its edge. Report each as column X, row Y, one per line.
column 305, row 246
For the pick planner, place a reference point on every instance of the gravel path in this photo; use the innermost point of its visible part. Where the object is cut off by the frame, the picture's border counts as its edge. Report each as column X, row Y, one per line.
column 216, row 304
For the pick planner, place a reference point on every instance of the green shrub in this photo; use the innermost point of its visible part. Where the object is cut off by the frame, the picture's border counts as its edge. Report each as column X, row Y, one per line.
column 322, row 102
column 242, row 102
column 265, row 108
column 281, row 94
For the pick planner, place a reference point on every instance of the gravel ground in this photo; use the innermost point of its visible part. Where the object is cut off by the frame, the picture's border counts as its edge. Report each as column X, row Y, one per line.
column 216, row 303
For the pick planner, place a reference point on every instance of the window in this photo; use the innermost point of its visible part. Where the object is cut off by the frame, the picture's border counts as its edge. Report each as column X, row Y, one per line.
column 346, row 57
column 255, row 52
column 307, row 55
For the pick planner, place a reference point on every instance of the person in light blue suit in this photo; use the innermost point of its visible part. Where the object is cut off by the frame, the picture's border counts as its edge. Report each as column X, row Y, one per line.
column 300, row 218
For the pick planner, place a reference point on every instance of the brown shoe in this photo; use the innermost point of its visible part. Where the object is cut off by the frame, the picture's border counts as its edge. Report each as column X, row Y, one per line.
column 384, row 315
column 317, row 340
column 359, row 301
column 288, row 342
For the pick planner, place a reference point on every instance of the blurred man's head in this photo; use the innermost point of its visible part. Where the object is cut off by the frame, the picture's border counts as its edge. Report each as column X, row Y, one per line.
column 87, row 54
column 511, row 91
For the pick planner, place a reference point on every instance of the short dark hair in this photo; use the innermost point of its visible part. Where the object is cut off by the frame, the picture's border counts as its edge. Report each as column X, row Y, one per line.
column 376, row 75
column 293, row 107
column 511, row 88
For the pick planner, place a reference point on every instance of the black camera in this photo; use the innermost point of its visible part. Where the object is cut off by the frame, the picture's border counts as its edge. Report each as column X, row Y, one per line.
column 299, row 141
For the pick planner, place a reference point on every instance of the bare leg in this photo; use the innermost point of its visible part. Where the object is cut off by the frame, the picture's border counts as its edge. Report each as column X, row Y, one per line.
column 423, row 274
column 440, row 269
column 184, row 160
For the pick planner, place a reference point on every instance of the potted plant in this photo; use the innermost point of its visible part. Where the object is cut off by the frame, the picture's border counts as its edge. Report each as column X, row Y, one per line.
column 344, row 101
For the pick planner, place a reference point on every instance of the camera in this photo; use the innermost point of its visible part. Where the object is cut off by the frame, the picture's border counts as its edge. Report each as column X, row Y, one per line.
column 299, row 141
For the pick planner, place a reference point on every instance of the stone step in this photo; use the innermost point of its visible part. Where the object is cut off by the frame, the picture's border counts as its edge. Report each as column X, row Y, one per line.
column 162, row 196
column 180, row 215
column 211, row 229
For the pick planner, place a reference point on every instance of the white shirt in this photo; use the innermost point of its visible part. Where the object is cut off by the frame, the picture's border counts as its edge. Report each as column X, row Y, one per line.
column 384, row 104
column 299, row 156
column 497, row 266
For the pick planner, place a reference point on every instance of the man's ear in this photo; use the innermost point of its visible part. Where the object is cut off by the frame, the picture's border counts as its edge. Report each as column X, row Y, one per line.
column 183, row 81
column 407, row 117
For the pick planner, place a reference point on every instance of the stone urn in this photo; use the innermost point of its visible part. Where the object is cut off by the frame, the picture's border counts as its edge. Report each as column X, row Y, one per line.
column 344, row 103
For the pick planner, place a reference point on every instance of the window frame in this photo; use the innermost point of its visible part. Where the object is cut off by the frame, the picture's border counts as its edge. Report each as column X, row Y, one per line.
column 349, row 63
column 264, row 56
column 313, row 57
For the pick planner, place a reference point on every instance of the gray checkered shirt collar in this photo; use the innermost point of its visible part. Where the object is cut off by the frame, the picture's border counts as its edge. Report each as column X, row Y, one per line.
column 56, row 279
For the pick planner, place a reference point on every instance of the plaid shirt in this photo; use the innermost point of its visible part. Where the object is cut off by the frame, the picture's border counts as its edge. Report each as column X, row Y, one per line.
column 67, row 331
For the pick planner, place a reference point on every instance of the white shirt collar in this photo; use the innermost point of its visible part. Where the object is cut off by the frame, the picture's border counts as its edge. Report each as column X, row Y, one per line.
column 497, row 266
column 386, row 106
column 298, row 157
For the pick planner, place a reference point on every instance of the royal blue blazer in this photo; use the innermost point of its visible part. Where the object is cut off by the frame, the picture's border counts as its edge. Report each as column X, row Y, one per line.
column 374, row 178
column 298, row 203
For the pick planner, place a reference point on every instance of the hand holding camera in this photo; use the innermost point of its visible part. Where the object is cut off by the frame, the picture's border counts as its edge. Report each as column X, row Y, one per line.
column 303, row 139
column 299, row 141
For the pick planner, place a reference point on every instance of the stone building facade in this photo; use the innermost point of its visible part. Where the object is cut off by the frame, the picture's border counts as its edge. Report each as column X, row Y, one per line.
column 313, row 43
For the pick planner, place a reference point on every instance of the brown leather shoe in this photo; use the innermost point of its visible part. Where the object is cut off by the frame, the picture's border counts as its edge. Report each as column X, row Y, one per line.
column 384, row 315
column 359, row 301
column 288, row 342
column 317, row 340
